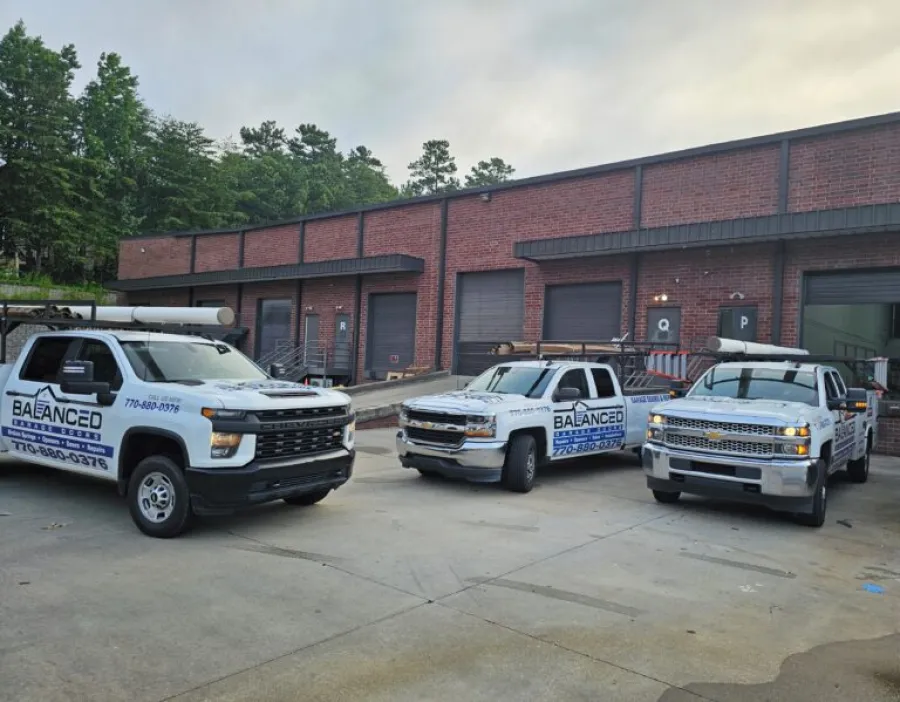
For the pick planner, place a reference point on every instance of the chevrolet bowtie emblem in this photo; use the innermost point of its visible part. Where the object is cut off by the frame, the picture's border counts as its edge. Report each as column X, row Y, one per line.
column 713, row 435
column 427, row 425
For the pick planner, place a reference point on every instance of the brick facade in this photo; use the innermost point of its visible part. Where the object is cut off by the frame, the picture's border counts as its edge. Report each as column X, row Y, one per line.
column 838, row 166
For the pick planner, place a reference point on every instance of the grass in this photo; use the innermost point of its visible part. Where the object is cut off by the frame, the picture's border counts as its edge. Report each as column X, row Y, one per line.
column 42, row 287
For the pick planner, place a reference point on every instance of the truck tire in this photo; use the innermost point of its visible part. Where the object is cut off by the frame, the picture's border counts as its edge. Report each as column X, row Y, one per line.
column 305, row 500
column 858, row 470
column 429, row 474
column 521, row 463
column 158, row 498
column 666, row 498
column 816, row 518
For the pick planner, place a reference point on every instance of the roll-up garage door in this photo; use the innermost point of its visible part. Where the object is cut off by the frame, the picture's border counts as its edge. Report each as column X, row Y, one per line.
column 583, row 312
column 490, row 309
column 391, row 333
column 853, row 287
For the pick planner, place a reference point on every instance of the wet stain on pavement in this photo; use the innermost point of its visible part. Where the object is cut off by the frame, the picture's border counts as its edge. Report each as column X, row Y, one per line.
column 562, row 595
column 288, row 553
column 509, row 527
column 740, row 564
column 854, row 671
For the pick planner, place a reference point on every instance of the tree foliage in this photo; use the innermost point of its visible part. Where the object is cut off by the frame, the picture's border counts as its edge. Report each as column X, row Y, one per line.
column 83, row 171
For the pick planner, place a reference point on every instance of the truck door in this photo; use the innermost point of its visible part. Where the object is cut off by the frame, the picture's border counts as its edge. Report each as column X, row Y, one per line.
column 844, row 422
column 35, row 415
column 589, row 425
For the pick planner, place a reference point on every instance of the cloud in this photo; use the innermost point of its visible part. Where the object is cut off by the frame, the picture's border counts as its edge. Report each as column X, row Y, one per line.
column 545, row 85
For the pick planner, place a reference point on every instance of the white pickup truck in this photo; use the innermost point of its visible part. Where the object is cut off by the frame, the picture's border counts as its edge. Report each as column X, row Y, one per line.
column 184, row 425
column 516, row 416
column 769, row 433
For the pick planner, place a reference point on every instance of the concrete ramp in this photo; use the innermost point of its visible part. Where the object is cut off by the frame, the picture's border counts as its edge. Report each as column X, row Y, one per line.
column 377, row 404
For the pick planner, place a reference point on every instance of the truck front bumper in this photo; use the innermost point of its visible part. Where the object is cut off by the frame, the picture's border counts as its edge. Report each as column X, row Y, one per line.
column 226, row 490
column 475, row 461
column 785, row 485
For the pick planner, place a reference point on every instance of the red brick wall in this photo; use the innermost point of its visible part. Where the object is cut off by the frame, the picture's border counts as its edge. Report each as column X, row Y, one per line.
column 216, row 253
column 324, row 295
column 721, row 186
column 327, row 239
column 415, row 231
column 276, row 246
column 700, row 281
column 175, row 297
column 146, row 258
column 258, row 291
column 845, row 169
column 480, row 235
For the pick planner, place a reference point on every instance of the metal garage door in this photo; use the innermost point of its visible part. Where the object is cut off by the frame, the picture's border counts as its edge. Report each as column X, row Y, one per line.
column 391, row 333
column 853, row 287
column 583, row 312
column 490, row 309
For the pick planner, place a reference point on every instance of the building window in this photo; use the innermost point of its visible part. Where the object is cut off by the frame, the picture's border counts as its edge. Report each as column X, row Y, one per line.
column 211, row 303
column 273, row 326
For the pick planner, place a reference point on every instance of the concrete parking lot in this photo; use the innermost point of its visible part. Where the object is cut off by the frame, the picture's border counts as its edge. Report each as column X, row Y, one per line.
column 400, row 588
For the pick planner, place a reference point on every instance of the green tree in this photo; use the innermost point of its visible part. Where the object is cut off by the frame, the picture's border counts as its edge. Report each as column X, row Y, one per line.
column 263, row 188
column 434, row 171
column 38, row 215
column 268, row 138
column 367, row 182
column 113, row 134
column 489, row 173
column 183, row 186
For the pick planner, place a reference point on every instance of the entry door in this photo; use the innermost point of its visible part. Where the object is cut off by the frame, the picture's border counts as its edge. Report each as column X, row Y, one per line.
column 588, row 425
column 312, row 353
column 43, row 425
column 273, row 326
column 844, row 425
column 341, row 358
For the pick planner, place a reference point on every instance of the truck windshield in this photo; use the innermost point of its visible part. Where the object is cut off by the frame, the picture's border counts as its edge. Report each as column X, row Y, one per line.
column 186, row 361
column 529, row 381
column 759, row 384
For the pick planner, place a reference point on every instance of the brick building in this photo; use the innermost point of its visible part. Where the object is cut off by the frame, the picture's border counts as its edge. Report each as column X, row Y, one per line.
column 788, row 238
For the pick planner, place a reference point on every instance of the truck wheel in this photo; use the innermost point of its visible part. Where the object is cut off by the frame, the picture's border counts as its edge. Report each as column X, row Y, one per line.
column 429, row 474
column 310, row 498
column 858, row 470
column 816, row 518
column 666, row 498
column 521, row 463
column 158, row 498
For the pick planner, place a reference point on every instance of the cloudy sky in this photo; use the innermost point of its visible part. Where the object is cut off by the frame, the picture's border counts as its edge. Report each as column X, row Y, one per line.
column 545, row 84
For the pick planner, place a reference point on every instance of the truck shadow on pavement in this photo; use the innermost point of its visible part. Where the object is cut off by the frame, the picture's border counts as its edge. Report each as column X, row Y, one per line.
column 836, row 672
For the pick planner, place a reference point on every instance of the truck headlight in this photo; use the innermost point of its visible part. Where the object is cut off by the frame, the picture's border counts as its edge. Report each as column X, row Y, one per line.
column 800, row 430
column 656, row 419
column 481, row 426
column 349, row 433
column 800, row 449
column 224, row 445
column 654, row 434
column 403, row 416
column 216, row 413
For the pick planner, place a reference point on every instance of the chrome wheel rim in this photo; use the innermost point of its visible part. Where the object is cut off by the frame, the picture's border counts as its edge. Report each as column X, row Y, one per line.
column 156, row 497
column 529, row 466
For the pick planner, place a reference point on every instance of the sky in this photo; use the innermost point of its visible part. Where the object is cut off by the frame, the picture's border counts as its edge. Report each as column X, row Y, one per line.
column 547, row 85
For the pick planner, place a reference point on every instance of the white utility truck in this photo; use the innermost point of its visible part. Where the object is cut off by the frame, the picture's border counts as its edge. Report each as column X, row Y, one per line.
column 518, row 415
column 761, row 430
column 183, row 424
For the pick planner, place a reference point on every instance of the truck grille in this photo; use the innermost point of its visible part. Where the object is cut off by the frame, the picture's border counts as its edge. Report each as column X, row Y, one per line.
column 436, row 417
column 282, row 415
column 302, row 443
column 725, row 427
column 701, row 443
column 434, row 436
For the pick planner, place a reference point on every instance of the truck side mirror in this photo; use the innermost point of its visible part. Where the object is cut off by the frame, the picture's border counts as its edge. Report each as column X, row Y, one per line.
column 77, row 378
column 677, row 389
column 857, row 400
column 566, row 394
column 836, row 404
column 276, row 370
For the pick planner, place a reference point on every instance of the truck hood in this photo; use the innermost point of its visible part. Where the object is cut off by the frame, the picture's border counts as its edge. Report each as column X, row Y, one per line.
column 723, row 408
column 259, row 394
column 463, row 402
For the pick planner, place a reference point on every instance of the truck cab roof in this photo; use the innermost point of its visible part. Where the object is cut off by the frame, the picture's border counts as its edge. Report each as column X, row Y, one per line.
column 772, row 365
column 127, row 335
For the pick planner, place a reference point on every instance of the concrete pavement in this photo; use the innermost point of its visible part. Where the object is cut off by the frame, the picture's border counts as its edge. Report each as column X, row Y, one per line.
column 400, row 588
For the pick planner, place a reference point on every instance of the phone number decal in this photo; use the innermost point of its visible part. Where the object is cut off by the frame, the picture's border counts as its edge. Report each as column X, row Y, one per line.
column 152, row 405
column 61, row 455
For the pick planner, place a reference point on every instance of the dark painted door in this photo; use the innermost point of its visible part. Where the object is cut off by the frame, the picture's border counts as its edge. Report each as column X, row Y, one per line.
column 340, row 360
column 273, row 326
column 392, row 333
column 313, row 353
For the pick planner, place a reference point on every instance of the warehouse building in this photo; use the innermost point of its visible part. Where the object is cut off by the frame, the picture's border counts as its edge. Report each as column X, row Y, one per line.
column 790, row 238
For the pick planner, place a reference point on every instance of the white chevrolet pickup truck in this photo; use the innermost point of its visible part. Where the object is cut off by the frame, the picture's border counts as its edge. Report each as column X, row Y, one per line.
column 770, row 433
column 516, row 416
column 184, row 425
